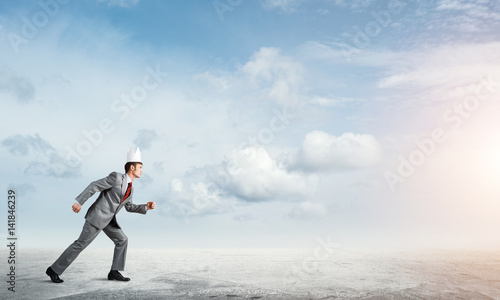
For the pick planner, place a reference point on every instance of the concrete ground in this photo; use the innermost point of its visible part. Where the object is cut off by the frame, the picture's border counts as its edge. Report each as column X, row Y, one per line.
column 262, row 274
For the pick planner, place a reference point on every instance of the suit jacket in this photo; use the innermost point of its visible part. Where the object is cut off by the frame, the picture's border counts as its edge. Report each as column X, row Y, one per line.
column 108, row 204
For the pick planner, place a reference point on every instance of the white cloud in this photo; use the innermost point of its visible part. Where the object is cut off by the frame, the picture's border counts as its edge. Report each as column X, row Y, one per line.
column 436, row 73
column 247, row 175
column 18, row 86
column 454, row 5
column 255, row 176
column 476, row 9
column 25, row 145
column 268, row 75
column 421, row 78
column 280, row 76
column 343, row 52
column 194, row 197
column 251, row 175
column 464, row 16
column 318, row 50
column 332, row 101
column 321, row 152
column 41, row 157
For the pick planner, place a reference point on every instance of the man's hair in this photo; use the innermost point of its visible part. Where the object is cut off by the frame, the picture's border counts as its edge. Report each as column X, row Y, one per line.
column 130, row 164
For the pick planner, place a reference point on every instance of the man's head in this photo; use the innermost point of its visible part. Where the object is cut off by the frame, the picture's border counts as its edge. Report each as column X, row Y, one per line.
column 133, row 169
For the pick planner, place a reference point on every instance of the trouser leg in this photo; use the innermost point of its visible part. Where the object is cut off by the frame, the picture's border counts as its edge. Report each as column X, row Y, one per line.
column 121, row 242
column 89, row 232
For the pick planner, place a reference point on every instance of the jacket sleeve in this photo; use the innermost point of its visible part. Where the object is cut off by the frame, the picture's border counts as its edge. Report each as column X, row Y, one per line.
column 97, row 186
column 136, row 208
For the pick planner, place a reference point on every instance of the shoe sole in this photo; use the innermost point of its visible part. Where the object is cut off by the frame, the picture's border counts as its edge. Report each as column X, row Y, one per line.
column 112, row 278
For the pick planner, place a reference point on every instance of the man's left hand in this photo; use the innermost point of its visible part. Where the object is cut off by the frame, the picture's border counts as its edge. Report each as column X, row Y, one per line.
column 151, row 205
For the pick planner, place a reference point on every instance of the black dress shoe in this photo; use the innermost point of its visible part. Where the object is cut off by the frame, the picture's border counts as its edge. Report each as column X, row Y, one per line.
column 115, row 275
column 53, row 275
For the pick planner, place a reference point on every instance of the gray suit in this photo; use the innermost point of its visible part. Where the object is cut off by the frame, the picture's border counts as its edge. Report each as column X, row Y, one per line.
column 101, row 215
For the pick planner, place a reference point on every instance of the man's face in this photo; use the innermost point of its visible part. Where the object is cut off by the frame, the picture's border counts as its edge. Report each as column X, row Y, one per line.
column 136, row 170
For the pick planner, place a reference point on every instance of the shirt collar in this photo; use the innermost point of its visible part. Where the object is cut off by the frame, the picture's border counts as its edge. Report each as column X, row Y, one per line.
column 128, row 179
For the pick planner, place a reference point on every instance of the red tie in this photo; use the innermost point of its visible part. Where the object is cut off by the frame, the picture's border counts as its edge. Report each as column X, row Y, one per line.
column 127, row 193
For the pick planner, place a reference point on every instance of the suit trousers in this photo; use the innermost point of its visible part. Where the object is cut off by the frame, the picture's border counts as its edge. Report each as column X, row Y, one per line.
column 89, row 232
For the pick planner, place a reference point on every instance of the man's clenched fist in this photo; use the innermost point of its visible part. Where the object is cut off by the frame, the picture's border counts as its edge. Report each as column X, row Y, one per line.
column 76, row 207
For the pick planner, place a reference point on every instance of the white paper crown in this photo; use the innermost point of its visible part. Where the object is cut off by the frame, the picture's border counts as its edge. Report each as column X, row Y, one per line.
column 134, row 155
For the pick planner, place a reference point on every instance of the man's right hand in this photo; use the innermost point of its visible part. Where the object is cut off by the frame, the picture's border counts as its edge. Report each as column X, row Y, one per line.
column 76, row 207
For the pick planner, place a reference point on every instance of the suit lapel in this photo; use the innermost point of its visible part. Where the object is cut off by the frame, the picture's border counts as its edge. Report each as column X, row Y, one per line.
column 124, row 186
column 123, row 190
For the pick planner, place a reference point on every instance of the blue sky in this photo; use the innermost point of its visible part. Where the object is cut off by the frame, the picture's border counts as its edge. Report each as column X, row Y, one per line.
column 261, row 123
